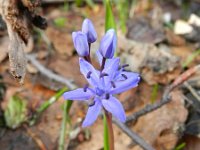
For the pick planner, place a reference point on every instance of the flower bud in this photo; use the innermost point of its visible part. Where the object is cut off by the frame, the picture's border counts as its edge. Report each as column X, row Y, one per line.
column 80, row 43
column 89, row 30
column 108, row 44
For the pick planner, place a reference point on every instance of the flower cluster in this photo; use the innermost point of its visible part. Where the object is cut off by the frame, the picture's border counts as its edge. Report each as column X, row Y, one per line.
column 111, row 79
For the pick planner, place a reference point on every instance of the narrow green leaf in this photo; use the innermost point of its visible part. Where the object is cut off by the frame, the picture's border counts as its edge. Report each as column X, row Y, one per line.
column 154, row 93
column 65, row 121
column 180, row 146
column 46, row 105
column 191, row 58
column 109, row 20
column 106, row 138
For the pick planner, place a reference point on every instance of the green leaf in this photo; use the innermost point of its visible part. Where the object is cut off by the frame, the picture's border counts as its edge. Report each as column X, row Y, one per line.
column 60, row 22
column 154, row 93
column 65, row 121
column 191, row 58
column 106, row 138
column 109, row 20
column 16, row 112
column 180, row 146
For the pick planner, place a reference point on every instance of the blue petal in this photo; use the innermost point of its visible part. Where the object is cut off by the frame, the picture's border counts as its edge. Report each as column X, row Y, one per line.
column 99, row 57
column 78, row 94
column 80, row 43
column 92, row 113
column 89, row 30
column 113, row 106
column 111, row 66
column 125, row 85
column 108, row 44
column 120, row 77
column 85, row 68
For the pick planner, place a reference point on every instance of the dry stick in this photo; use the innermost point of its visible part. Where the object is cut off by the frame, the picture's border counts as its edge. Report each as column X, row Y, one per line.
column 48, row 73
column 192, row 91
column 166, row 96
column 140, row 141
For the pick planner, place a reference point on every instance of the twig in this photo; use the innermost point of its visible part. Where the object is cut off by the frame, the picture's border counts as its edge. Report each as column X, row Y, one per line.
column 187, row 85
column 36, row 139
column 135, row 137
column 48, row 73
column 166, row 96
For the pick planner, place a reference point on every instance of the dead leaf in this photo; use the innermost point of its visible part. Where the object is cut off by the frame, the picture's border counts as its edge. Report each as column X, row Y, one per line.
column 164, row 125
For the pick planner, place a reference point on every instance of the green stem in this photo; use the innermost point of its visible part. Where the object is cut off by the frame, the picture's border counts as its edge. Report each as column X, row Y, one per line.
column 67, row 105
column 109, row 129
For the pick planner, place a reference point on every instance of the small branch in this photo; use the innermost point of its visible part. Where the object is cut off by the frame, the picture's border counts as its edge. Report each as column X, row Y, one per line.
column 136, row 138
column 166, row 96
column 48, row 73
column 192, row 91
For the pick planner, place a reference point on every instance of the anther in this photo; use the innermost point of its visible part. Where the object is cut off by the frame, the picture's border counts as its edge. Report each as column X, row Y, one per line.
column 103, row 74
column 92, row 104
column 113, row 84
column 89, row 74
column 125, row 77
column 107, row 96
column 85, row 88
column 125, row 65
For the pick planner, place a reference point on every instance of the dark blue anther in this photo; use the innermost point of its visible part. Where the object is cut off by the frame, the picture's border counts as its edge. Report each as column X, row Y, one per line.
column 89, row 74
column 107, row 96
column 85, row 87
column 125, row 77
column 125, row 65
column 92, row 104
column 103, row 74
column 113, row 84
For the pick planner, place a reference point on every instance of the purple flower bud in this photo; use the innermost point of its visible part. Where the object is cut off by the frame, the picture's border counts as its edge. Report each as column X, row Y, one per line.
column 80, row 43
column 89, row 30
column 108, row 44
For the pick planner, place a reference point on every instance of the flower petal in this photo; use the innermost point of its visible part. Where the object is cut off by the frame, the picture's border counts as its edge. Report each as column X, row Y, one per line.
column 108, row 44
column 78, row 94
column 80, row 43
column 86, row 68
column 121, row 86
column 89, row 30
column 99, row 57
column 115, row 107
column 111, row 66
column 92, row 113
column 121, row 77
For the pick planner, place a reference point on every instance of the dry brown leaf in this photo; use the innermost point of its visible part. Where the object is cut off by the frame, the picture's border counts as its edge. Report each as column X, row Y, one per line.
column 163, row 126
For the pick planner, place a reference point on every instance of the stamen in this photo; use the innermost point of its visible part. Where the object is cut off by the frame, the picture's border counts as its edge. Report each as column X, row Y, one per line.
column 107, row 96
column 125, row 77
column 92, row 104
column 113, row 84
column 85, row 87
column 125, row 65
column 103, row 74
column 89, row 74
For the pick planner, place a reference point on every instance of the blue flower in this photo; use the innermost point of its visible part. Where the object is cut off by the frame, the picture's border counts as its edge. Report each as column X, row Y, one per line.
column 89, row 30
column 80, row 43
column 113, row 79
column 108, row 44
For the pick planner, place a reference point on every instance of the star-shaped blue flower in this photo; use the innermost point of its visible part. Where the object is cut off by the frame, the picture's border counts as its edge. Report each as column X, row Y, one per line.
column 113, row 79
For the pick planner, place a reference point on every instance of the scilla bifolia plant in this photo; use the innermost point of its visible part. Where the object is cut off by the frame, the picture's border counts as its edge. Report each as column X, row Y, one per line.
column 111, row 79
